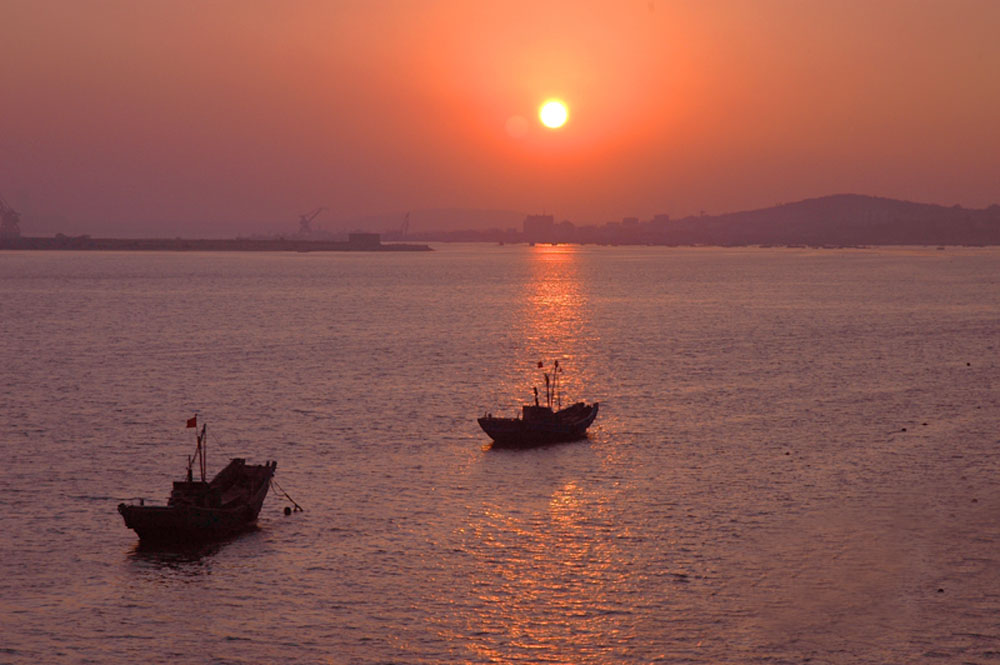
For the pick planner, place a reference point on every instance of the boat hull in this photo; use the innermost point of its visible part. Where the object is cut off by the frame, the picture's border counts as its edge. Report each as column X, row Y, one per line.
column 190, row 524
column 185, row 524
column 523, row 433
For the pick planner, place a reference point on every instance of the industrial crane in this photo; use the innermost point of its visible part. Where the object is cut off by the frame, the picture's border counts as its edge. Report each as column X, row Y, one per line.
column 305, row 220
column 10, row 221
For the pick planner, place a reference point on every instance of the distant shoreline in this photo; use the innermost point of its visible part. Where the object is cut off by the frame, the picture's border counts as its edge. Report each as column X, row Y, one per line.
column 835, row 221
column 86, row 243
column 205, row 245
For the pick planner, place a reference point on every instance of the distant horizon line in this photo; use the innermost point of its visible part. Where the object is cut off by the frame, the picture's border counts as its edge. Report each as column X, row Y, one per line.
column 364, row 223
column 702, row 213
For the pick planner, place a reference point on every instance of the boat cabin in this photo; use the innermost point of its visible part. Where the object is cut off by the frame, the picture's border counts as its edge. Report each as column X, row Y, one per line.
column 532, row 413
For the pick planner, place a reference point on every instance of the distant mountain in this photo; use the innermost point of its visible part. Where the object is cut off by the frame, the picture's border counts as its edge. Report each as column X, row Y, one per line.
column 841, row 219
column 838, row 220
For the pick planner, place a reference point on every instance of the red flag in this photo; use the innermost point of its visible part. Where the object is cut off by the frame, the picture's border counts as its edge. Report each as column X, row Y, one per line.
column 193, row 422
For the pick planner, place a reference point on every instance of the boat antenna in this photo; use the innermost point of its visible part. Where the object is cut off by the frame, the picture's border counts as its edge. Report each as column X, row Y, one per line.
column 193, row 422
column 548, row 391
column 535, row 388
column 203, row 446
column 199, row 454
column 555, row 380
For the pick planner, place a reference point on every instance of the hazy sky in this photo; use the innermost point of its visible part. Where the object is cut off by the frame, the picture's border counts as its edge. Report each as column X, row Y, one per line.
column 146, row 116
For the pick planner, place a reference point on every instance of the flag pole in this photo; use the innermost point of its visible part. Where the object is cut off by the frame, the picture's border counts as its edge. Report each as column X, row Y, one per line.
column 204, row 447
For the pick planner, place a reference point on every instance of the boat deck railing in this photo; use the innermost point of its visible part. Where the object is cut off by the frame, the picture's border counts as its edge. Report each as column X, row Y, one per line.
column 143, row 501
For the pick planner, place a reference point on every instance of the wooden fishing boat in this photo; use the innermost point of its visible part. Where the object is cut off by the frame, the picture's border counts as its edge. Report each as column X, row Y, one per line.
column 199, row 510
column 542, row 424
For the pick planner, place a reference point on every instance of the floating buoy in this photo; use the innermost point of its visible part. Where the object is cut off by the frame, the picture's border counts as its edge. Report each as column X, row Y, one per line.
column 288, row 510
column 903, row 430
column 940, row 590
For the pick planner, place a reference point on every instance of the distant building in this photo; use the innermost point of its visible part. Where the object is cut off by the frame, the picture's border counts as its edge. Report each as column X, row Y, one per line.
column 630, row 221
column 565, row 231
column 659, row 223
column 539, row 228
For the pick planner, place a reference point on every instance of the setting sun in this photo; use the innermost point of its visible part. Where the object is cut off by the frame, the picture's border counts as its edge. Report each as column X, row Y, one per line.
column 553, row 114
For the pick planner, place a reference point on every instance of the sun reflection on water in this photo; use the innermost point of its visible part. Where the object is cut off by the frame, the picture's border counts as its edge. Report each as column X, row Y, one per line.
column 555, row 306
column 548, row 565
column 554, row 324
column 552, row 574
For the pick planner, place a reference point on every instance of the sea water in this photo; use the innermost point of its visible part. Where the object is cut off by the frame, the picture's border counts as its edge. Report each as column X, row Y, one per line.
column 795, row 460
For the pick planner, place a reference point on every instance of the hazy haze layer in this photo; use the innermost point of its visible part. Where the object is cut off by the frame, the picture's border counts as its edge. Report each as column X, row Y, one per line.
column 169, row 118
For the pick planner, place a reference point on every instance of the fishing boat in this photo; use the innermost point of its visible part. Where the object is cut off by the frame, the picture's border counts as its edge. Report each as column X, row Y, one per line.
column 199, row 510
column 541, row 424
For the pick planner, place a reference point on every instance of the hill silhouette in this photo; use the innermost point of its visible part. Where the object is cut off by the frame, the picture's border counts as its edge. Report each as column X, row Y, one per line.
column 836, row 220
column 842, row 219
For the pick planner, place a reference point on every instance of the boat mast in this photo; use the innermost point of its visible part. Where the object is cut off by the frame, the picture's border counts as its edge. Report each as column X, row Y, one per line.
column 555, row 380
column 202, row 447
column 548, row 392
column 199, row 454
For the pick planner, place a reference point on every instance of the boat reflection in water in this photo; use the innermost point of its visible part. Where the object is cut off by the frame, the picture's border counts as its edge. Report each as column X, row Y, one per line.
column 184, row 557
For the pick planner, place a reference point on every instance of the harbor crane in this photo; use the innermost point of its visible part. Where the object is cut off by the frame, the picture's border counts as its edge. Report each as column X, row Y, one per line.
column 305, row 220
column 10, row 221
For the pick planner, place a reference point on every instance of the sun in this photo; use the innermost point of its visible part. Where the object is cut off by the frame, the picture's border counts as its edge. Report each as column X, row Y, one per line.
column 553, row 114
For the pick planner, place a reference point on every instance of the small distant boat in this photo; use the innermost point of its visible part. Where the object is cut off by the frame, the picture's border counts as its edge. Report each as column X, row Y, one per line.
column 200, row 511
column 538, row 424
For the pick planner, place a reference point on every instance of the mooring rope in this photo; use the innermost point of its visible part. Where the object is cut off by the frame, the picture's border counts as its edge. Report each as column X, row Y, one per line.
column 275, row 485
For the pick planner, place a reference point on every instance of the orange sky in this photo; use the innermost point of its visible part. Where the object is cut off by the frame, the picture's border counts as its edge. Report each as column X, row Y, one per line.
column 230, row 115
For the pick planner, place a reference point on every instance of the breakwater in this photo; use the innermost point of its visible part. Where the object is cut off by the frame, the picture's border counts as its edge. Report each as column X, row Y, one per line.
column 62, row 242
